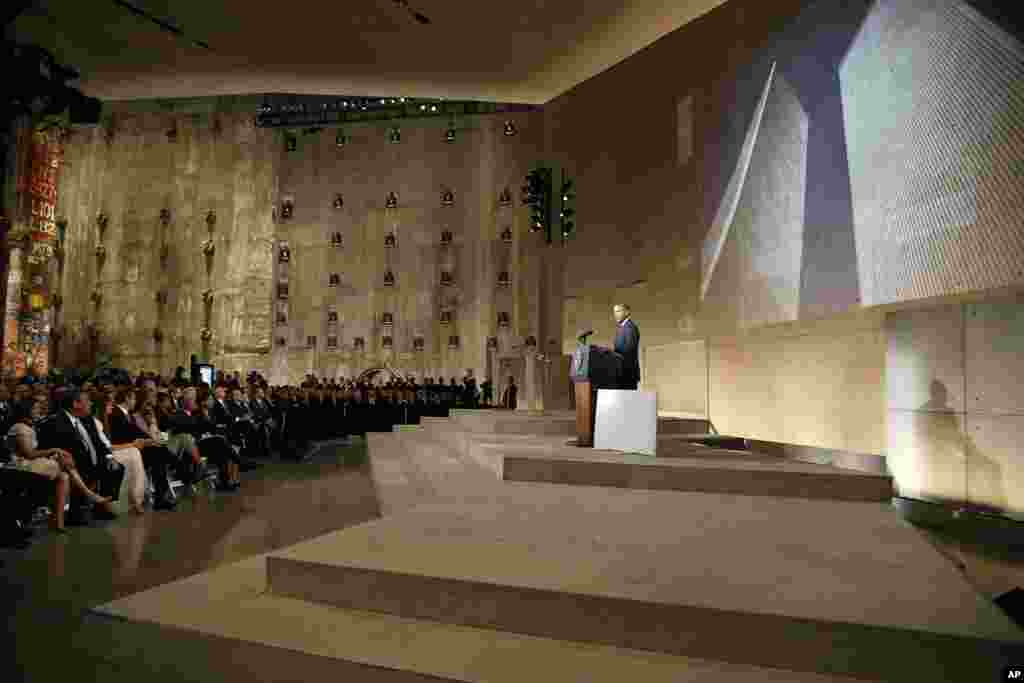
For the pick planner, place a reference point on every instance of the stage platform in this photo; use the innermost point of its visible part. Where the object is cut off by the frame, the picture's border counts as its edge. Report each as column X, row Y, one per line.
column 530, row 448
column 224, row 619
column 649, row 579
column 471, row 577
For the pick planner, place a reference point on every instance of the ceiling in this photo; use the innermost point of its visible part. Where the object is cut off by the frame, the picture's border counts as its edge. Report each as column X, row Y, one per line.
column 528, row 51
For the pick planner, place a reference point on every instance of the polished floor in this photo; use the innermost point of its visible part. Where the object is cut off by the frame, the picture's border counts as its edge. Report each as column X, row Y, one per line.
column 46, row 589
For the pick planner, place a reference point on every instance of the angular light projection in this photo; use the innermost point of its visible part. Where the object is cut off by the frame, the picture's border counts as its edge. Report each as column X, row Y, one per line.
column 756, row 275
column 719, row 231
column 934, row 115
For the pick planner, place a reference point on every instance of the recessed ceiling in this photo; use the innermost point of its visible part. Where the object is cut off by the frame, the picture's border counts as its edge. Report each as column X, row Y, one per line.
column 528, row 51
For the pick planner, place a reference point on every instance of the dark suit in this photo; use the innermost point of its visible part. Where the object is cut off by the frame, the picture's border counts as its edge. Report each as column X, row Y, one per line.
column 112, row 475
column 58, row 431
column 508, row 401
column 222, row 415
column 627, row 343
column 156, row 458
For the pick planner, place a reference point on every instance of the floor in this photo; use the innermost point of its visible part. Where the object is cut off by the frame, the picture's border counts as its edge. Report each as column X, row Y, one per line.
column 45, row 589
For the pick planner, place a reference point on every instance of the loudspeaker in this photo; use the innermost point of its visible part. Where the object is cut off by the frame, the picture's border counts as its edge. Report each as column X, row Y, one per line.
column 85, row 111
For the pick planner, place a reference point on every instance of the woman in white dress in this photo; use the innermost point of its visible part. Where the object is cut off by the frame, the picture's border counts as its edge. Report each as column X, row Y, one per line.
column 53, row 463
column 128, row 454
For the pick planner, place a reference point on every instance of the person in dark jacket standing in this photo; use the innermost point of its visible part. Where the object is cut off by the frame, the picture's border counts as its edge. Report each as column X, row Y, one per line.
column 508, row 399
column 627, row 343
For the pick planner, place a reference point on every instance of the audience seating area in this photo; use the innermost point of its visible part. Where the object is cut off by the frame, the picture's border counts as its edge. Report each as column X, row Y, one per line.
column 241, row 422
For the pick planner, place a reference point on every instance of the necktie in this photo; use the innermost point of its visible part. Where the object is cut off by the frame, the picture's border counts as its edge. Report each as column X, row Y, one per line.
column 85, row 438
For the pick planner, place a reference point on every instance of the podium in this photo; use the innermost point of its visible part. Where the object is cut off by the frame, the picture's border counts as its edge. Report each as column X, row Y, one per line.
column 592, row 368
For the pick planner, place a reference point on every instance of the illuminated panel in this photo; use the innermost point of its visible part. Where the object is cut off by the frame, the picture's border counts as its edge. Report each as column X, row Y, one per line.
column 757, row 279
column 933, row 106
column 715, row 240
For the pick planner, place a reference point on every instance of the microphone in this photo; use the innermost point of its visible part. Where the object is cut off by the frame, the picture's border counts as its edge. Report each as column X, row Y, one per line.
column 582, row 338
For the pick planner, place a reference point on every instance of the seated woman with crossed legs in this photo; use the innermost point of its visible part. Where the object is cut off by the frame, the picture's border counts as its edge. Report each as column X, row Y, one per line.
column 52, row 463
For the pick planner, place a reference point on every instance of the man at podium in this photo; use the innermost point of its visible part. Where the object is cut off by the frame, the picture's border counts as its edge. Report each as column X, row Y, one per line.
column 597, row 367
column 627, row 344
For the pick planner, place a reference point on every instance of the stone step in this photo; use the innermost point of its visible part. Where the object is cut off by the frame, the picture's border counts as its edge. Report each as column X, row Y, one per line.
column 680, row 466
column 806, row 585
column 227, row 611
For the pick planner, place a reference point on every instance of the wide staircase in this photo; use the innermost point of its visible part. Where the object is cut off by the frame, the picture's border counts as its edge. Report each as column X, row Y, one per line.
column 503, row 554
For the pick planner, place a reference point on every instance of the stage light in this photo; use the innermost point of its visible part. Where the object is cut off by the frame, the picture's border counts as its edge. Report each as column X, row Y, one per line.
column 449, row 135
column 510, row 129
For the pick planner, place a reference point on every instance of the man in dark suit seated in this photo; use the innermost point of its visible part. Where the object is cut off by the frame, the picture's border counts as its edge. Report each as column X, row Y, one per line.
column 262, row 420
column 245, row 427
column 72, row 429
column 157, row 458
column 230, row 420
column 627, row 344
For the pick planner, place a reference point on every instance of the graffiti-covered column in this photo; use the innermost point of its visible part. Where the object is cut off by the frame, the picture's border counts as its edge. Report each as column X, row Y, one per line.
column 27, row 310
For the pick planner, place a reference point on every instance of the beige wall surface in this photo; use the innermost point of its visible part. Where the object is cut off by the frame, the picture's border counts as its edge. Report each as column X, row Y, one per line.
column 956, row 404
column 738, row 126
column 476, row 167
column 130, row 169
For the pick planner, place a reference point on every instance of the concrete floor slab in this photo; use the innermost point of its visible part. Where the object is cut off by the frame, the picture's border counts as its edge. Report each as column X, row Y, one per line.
column 826, row 586
column 230, row 603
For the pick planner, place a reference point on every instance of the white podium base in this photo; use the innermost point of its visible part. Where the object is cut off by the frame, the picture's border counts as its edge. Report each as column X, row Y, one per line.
column 626, row 421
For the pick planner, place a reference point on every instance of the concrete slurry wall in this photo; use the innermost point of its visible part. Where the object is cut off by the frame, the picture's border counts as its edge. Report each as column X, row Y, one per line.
column 200, row 156
column 137, row 163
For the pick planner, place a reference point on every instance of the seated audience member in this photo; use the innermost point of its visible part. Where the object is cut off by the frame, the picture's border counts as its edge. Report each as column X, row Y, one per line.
column 52, row 463
column 182, row 447
column 70, row 427
column 262, row 420
column 160, row 421
column 193, row 419
column 128, row 454
column 124, row 430
column 244, row 431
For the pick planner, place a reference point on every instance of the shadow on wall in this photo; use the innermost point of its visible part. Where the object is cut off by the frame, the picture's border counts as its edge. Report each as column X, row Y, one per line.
column 952, row 450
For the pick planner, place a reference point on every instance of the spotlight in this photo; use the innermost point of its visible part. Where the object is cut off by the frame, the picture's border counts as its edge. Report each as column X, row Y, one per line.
column 340, row 140
column 433, row 107
column 449, row 135
column 510, row 129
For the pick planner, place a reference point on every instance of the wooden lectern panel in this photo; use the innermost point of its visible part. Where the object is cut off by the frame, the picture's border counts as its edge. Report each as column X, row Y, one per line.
column 584, row 414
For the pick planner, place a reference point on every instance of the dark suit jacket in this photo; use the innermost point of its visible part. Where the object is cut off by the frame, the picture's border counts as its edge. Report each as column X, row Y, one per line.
column 222, row 414
column 57, row 431
column 627, row 343
column 123, row 429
